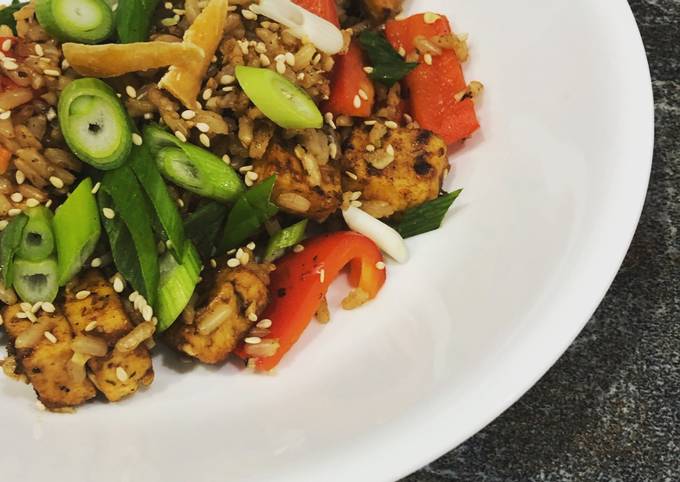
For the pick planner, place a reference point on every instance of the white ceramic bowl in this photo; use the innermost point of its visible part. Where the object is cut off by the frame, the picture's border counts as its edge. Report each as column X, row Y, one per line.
column 554, row 185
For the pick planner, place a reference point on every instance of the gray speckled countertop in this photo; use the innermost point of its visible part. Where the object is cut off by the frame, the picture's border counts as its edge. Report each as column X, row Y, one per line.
column 609, row 410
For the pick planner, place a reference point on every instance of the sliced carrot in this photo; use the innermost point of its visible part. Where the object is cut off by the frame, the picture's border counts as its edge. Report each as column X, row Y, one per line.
column 352, row 92
column 5, row 157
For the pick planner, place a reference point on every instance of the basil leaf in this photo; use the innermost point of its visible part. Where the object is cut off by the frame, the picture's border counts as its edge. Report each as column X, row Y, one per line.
column 388, row 66
column 9, row 244
column 203, row 225
column 426, row 217
column 7, row 14
column 248, row 214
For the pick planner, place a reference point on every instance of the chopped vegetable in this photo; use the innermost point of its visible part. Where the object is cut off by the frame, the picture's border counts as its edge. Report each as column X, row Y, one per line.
column 165, row 209
column 249, row 214
column 176, row 286
column 387, row 239
column 36, row 280
column 286, row 104
column 95, row 124
column 86, row 21
column 352, row 92
column 301, row 280
column 426, row 217
column 191, row 167
column 133, row 19
column 76, row 230
column 388, row 66
column 433, row 88
column 129, row 203
column 37, row 239
column 7, row 14
column 114, row 60
column 184, row 81
column 286, row 238
column 204, row 225
column 5, row 157
column 10, row 240
column 305, row 21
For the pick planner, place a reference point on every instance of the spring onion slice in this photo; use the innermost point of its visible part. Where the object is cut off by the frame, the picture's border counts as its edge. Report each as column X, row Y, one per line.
column 203, row 225
column 130, row 204
column 286, row 238
column 85, row 21
column 165, row 209
column 177, row 284
column 249, row 214
column 133, row 19
column 387, row 239
column 191, row 167
column 37, row 239
column 95, row 124
column 9, row 244
column 283, row 102
column 302, row 24
column 76, row 230
column 426, row 217
column 36, row 280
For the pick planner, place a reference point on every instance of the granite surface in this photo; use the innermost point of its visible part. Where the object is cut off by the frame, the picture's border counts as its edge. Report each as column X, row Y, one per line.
column 609, row 410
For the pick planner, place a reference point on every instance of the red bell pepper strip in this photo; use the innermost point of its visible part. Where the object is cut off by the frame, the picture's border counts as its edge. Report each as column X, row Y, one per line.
column 5, row 157
column 325, row 9
column 433, row 87
column 301, row 280
column 352, row 91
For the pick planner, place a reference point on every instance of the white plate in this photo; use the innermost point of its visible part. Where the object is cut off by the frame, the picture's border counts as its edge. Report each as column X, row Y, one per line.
column 554, row 187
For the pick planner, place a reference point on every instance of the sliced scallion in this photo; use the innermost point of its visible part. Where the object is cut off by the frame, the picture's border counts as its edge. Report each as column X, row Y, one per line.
column 95, row 124
column 426, row 217
column 9, row 244
column 84, row 21
column 286, row 238
column 177, row 284
column 36, row 280
column 133, row 20
column 37, row 240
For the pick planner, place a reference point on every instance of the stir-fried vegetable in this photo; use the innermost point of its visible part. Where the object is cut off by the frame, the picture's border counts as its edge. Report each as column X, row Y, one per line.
column 301, row 280
column 37, row 240
column 279, row 99
column 176, row 286
column 386, row 237
column 9, row 244
column 95, row 124
column 36, row 280
column 426, row 217
column 165, row 209
column 388, row 66
column 133, row 248
column 249, row 214
column 76, row 230
column 86, row 21
column 326, row 9
column 204, row 225
column 352, row 92
column 7, row 14
column 195, row 169
column 286, row 238
column 133, row 19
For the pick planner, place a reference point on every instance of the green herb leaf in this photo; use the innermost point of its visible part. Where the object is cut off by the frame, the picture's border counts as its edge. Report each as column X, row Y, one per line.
column 284, row 239
column 204, row 225
column 132, row 207
column 248, row 214
column 426, row 217
column 9, row 244
column 7, row 14
column 133, row 19
column 388, row 66
column 177, row 284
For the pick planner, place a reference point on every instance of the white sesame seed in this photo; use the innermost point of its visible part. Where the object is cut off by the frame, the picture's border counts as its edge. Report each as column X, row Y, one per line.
column 65, row 64
column 244, row 169
column 121, row 374
column 351, row 175
column 251, row 246
column 52, row 72
column 7, row 44
column 36, row 306
column 188, row 114
column 355, row 195
column 32, row 202
column 39, row 50
column 21, row 315
column 202, row 126
column 264, row 323
column 9, row 64
column 137, row 139
column 213, row 263
column 5, row 115
column 249, row 15
column 56, row 182
column 368, row 70
column 264, row 60
column 109, row 213
column 118, row 284
column 281, row 68
column 2, row 321
column 14, row 212
column 91, row 326
column 380, row 265
column 25, row 306
column 50, row 337
column 253, row 340
column 290, row 59
column 20, row 176
column 233, row 263
column 205, row 140
column 370, row 122
column 147, row 313
column 226, row 159
column 180, row 202
column 363, row 94
column 3, row 224
column 207, row 94
column 428, row 59
column 47, row 307
column 252, row 316
column 48, row 203
column 96, row 262
column 389, row 149
column 402, row 51
column 391, row 124
column 180, row 136
column 51, row 114
column 298, row 248
column 131, row 91
column 252, row 175
column 168, row 5
column 322, row 275
column 170, row 21
column 82, row 294
column 357, row 102
column 17, row 197
column 370, row 148
column 227, row 79
column 96, row 187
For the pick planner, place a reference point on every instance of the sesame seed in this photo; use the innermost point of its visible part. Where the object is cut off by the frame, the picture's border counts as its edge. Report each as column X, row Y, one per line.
column 91, row 326
column 363, row 94
column 402, row 51
column 109, row 213
column 205, row 140
column 264, row 323
column 202, row 126
column 82, row 294
column 168, row 5
column 180, row 136
column 39, row 50
column 252, row 175
column 47, row 307
column 249, row 15
column 329, row 120
column 96, row 262
column 368, row 70
column 17, row 197
column 281, row 68
column 252, row 316
column 121, row 374
column 147, row 313
column 118, row 284
column 188, row 114
column 96, row 187
column 228, row 88
column 207, row 94
column 31, row 317
column 250, row 246
column 355, row 195
column 428, row 59
column 5, row 115
column 380, row 265
column 51, row 114
column 391, row 125
column 233, row 263
column 351, row 175
column 322, row 275
column 253, row 340
column 7, row 44
column 32, row 202
column 25, row 306
column 65, row 64
column 357, row 102
column 370, row 148
column 180, row 202
column 2, row 321
column 226, row 159
column 56, row 182
column 14, row 212
column 36, row 306
column 370, row 122
column 52, row 72
column 3, row 224
column 389, row 149
column 9, row 64
column 264, row 60
column 227, row 79
column 137, row 139
column 131, row 91
column 48, row 203
column 290, row 59
column 298, row 248
column 20, row 177
column 21, row 315
column 170, row 21
column 133, row 296
column 50, row 337
column 213, row 263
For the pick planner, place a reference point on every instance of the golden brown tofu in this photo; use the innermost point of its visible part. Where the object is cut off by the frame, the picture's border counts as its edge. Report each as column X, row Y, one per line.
column 406, row 169
column 381, row 10
column 43, row 353
column 101, row 314
column 230, row 300
column 294, row 191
